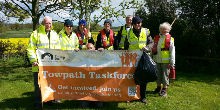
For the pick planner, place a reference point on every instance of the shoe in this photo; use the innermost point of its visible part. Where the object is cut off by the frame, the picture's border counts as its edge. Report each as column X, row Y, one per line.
column 56, row 101
column 157, row 90
column 163, row 93
column 143, row 100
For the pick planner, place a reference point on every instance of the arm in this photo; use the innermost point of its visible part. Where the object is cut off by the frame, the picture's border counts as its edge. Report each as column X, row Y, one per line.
column 172, row 52
column 98, row 42
column 149, row 41
column 31, row 49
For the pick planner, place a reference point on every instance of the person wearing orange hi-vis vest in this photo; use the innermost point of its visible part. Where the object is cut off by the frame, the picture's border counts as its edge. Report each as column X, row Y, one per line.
column 106, row 39
column 164, row 55
column 83, row 34
column 43, row 37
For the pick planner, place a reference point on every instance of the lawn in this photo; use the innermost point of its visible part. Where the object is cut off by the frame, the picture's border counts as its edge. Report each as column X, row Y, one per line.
column 190, row 91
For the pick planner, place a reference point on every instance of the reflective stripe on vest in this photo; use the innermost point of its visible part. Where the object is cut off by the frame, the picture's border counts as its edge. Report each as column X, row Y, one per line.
column 68, row 43
column 135, row 42
column 164, row 48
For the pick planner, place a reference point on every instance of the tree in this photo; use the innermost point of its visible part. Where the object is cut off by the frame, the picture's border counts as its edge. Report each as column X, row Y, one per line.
column 82, row 9
column 156, row 12
column 202, row 17
column 109, row 11
column 30, row 8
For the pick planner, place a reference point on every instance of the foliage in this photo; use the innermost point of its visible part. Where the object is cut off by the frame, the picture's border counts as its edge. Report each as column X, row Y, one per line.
column 202, row 20
column 11, row 48
column 26, row 8
column 57, row 26
column 110, row 12
column 158, row 11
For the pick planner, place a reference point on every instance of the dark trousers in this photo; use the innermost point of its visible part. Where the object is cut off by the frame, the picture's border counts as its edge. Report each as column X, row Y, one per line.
column 143, row 87
column 37, row 92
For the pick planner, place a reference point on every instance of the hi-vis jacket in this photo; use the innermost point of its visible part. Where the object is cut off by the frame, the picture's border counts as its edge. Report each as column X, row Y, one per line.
column 68, row 43
column 143, row 40
column 164, row 55
column 124, row 33
column 40, row 39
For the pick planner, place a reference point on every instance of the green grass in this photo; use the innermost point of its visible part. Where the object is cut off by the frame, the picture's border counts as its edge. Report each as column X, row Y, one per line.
column 190, row 91
column 24, row 33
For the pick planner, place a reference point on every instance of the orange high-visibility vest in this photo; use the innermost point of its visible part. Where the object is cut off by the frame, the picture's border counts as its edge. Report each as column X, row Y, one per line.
column 105, row 42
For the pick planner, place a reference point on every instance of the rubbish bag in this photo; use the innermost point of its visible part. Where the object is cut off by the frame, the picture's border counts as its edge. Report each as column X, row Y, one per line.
column 146, row 70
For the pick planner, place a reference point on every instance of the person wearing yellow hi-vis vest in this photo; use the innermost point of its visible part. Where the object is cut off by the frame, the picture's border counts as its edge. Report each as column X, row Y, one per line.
column 68, row 39
column 106, row 39
column 122, row 33
column 139, row 39
column 164, row 55
column 43, row 37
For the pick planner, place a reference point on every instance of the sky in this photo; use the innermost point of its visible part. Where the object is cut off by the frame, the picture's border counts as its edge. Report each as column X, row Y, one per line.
column 117, row 22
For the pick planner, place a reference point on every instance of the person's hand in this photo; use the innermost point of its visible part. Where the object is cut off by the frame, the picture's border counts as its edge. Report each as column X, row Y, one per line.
column 86, row 33
column 146, row 49
column 76, row 50
column 35, row 64
column 171, row 66
column 100, row 49
column 85, row 30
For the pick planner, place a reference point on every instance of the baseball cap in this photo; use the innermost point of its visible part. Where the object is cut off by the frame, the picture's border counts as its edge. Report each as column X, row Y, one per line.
column 67, row 22
column 136, row 20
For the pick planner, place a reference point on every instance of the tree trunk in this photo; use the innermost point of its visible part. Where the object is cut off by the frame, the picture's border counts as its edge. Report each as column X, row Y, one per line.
column 35, row 11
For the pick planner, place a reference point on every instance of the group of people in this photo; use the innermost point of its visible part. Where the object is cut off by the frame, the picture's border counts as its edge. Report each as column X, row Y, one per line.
column 131, row 36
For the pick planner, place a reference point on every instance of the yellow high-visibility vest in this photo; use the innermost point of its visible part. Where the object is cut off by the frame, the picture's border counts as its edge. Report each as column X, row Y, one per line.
column 68, row 43
column 135, row 42
column 40, row 39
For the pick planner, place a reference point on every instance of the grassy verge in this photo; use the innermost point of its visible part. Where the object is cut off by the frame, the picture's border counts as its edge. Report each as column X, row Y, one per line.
column 190, row 91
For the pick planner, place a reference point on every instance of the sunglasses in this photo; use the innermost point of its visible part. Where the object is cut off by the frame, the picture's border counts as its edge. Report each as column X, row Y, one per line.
column 69, row 26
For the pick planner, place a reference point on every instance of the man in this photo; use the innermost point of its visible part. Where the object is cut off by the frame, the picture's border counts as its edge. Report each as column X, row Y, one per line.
column 122, row 33
column 139, row 38
column 43, row 37
column 83, row 34
column 164, row 56
column 106, row 39
column 90, row 46
column 68, row 39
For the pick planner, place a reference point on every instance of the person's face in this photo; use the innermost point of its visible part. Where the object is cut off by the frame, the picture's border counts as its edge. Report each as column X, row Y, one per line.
column 48, row 24
column 107, row 26
column 68, row 29
column 164, row 31
column 128, row 20
column 90, row 47
column 81, row 27
column 137, row 25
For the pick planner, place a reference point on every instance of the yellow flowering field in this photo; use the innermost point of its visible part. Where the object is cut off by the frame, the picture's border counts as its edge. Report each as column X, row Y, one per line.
column 20, row 44
column 14, row 45
column 17, row 40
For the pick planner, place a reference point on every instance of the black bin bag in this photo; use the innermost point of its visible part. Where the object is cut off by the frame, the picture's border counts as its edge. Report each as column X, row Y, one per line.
column 146, row 70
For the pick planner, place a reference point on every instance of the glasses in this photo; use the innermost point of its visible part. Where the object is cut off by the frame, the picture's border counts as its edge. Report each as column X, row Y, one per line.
column 69, row 26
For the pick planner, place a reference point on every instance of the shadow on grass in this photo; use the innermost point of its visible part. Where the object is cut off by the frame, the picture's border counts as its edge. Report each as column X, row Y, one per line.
column 200, row 77
column 11, row 74
column 27, row 102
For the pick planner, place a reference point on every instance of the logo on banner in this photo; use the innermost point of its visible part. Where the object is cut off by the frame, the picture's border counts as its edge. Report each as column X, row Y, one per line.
column 50, row 57
column 129, row 59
